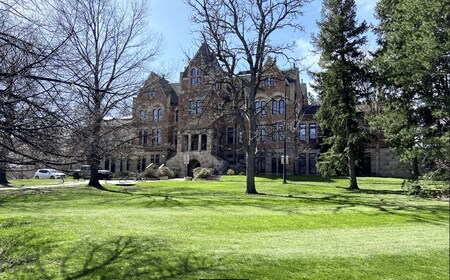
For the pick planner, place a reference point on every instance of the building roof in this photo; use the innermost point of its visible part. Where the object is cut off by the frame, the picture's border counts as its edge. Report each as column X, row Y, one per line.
column 311, row 109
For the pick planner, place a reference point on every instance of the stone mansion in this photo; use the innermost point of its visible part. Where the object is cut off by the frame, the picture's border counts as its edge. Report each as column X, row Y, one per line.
column 198, row 123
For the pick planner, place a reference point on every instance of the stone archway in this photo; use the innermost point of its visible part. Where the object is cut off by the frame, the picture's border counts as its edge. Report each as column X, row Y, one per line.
column 191, row 166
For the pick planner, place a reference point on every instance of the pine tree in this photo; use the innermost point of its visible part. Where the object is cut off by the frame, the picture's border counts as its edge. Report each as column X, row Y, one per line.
column 339, row 41
column 413, row 65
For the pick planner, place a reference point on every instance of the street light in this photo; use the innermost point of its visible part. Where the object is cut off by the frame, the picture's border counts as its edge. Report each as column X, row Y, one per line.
column 186, row 162
column 284, row 159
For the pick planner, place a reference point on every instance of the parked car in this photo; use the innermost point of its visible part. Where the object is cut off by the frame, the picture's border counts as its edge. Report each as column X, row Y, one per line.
column 85, row 172
column 49, row 174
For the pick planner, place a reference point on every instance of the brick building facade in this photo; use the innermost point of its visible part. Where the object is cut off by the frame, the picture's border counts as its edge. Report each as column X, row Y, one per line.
column 198, row 123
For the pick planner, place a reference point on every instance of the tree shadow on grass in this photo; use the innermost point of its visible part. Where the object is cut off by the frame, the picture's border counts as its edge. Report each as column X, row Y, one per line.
column 27, row 255
column 435, row 215
column 130, row 257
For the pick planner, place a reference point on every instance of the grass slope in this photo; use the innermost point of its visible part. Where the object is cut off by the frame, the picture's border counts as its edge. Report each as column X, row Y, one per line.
column 312, row 228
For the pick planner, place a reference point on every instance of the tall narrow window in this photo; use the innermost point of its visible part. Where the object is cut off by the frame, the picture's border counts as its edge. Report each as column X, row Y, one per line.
column 198, row 108
column 274, row 107
column 193, row 77
column 230, row 135
column 191, row 107
column 262, row 133
column 312, row 163
column 155, row 115
column 302, row 164
column 302, row 132
column 159, row 114
column 140, row 137
column 158, row 136
column 275, row 132
column 312, row 132
column 263, row 108
column 144, row 141
column 281, row 106
column 257, row 107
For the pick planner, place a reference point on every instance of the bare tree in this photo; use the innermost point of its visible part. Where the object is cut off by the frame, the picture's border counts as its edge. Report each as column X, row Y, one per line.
column 241, row 35
column 106, row 57
column 31, row 105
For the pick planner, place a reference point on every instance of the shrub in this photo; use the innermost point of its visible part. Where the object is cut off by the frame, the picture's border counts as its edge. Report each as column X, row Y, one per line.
column 231, row 172
column 202, row 172
column 122, row 174
column 151, row 173
column 165, row 171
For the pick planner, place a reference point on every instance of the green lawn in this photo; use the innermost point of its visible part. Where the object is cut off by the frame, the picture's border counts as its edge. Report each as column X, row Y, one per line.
column 312, row 228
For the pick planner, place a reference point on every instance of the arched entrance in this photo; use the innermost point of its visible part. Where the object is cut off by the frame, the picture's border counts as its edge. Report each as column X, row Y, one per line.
column 191, row 166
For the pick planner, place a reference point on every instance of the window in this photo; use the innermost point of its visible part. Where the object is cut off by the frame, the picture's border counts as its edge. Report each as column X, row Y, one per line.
column 302, row 132
column 263, row 108
column 274, row 107
column 257, row 107
column 241, row 137
column 262, row 133
column 159, row 114
column 191, row 107
column 274, row 132
column 269, row 82
column 140, row 137
column 151, row 93
column 195, row 107
column 142, row 115
column 281, row 106
column 144, row 140
column 230, row 135
column 198, row 109
column 302, row 164
column 196, row 77
column 156, row 136
column 312, row 132
column 176, row 115
column 278, row 132
column 312, row 164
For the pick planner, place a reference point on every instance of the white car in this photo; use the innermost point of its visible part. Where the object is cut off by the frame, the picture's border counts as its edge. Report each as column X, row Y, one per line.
column 49, row 174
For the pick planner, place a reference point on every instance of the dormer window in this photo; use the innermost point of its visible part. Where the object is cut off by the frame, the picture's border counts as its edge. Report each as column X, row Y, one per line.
column 196, row 76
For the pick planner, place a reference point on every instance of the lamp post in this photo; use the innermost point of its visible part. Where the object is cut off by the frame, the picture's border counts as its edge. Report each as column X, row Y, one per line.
column 186, row 162
column 284, row 160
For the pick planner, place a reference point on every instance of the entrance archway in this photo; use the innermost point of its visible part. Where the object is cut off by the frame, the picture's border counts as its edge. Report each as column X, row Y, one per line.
column 191, row 166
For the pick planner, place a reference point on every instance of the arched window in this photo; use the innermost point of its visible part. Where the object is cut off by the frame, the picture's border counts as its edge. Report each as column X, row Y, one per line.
column 274, row 107
column 281, row 106
column 159, row 114
column 263, row 108
column 155, row 115
column 257, row 107
column 196, row 76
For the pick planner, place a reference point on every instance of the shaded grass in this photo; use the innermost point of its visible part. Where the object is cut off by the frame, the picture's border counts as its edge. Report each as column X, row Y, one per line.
column 308, row 229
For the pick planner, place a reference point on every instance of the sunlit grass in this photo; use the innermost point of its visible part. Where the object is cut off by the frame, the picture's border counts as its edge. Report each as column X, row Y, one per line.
column 311, row 228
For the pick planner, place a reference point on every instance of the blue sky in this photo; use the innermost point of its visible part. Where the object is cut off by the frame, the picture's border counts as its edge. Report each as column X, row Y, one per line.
column 171, row 19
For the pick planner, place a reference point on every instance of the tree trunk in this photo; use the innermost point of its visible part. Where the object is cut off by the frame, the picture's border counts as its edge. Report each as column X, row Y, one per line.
column 415, row 168
column 352, row 172
column 3, row 180
column 250, row 180
column 95, row 146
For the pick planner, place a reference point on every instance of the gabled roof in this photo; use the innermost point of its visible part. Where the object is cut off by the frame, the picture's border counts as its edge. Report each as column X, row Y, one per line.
column 204, row 57
column 154, row 80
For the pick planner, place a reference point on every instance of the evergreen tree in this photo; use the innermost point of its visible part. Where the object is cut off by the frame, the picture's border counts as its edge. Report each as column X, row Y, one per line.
column 413, row 64
column 339, row 41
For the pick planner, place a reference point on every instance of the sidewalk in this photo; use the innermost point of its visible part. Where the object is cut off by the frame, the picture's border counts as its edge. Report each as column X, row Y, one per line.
column 65, row 184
